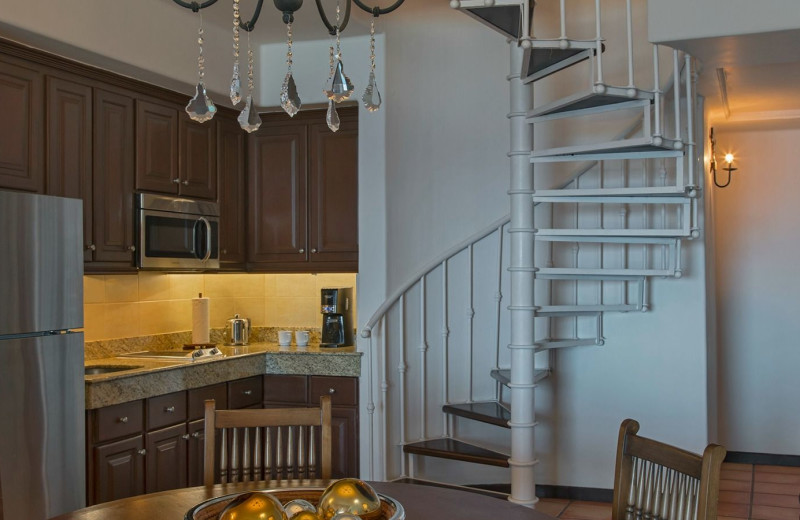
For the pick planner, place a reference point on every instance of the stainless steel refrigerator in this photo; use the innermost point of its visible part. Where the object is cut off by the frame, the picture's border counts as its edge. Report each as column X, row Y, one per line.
column 42, row 438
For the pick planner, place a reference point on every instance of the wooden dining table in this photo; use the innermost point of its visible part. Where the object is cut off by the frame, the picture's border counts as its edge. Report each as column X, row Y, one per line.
column 420, row 502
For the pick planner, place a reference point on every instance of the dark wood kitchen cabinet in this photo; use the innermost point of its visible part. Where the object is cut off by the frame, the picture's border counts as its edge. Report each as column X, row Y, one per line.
column 303, row 184
column 232, row 188
column 198, row 157
column 118, row 470
column 21, row 126
column 166, row 459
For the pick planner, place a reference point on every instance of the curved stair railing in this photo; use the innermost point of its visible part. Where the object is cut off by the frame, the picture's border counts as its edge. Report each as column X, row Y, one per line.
column 595, row 259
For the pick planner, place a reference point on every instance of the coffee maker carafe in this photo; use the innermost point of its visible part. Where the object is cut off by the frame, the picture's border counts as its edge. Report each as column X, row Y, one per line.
column 337, row 317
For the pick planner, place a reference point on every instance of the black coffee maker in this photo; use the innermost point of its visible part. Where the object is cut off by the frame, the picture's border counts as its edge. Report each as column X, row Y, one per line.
column 337, row 317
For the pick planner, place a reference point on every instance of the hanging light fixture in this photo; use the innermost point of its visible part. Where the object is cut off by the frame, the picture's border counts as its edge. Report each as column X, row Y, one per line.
column 338, row 88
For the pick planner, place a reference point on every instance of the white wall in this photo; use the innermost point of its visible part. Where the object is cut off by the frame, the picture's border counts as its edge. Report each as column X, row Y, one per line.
column 758, row 246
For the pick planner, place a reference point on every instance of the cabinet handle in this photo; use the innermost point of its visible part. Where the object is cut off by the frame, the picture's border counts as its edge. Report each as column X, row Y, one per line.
column 247, row 392
column 196, row 435
column 131, row 248
column 169, row 409
column 224, row 251
column 123, row 419
column 91, row 247
column 185, row 437
column 142, row 452
column 185, row 183
column 331, row 391
column 176, row 181
column 313, row 251
column 302, row 251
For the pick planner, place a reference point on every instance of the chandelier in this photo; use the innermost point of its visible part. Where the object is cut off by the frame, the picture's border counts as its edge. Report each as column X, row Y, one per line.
column 338, row 87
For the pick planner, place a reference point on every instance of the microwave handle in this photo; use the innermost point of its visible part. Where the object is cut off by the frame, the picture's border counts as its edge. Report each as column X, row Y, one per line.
column 208, row 238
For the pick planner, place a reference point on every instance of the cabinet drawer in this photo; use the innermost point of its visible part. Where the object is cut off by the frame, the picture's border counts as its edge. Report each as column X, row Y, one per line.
column 343, row 390
column 286, row 389
column 166, row 410
column 245, row 392
column 121, row 420
column 198, row 397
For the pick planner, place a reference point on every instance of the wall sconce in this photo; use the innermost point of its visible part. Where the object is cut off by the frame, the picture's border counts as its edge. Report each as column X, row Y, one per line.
column 728, row 160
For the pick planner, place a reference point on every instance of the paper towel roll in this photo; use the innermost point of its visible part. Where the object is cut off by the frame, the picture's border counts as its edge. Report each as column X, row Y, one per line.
column 200, row 320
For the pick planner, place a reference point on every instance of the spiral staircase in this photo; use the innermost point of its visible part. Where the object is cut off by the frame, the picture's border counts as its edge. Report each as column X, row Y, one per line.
column 591, row 225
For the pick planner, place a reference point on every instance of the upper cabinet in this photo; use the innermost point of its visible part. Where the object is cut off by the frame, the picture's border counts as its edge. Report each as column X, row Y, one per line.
column 21, row 126
column 303, row 183
column 198, row 157
column 230, row 172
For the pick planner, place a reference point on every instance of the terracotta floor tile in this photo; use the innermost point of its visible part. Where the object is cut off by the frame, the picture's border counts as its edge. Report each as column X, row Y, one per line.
column 552, row 506
column 776, row 489
column 587, row 511
column 726, row 474
column 775, row 513
column 778, row 478
column 737, row 510
column 732, row 466
column 764, row 499
column 735, row 485
column 735, row 497
column 791, row 470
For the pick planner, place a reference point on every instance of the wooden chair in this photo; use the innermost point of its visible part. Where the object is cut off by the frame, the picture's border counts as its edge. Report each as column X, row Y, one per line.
column 271, row 444
column 656, row 481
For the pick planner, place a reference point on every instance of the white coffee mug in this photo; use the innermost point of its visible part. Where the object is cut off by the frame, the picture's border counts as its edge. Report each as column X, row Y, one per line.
column 301, row 338
column 284, row 338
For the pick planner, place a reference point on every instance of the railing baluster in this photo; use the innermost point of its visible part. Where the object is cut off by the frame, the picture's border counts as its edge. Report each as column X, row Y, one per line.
column 599, row 44
column 371, row 409
column 423, row 360
column 470, row 318
column 657, row 93
column 629, row 12
column 690, row 117
column 498, row 300
column 401, row 369
column 384, row 362
column 563, row 4
column 445, row 348
column 676, row 92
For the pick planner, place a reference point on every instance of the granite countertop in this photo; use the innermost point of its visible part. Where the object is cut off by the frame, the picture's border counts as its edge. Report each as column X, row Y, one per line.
column 152, row 377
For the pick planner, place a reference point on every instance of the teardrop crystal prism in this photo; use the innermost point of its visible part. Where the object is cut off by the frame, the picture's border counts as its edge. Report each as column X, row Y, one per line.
column 332, row 117
column 249, row 119
column 290, row 101
column 339, row 86
column 200, row 107
column 236, row 87
column 372, row 96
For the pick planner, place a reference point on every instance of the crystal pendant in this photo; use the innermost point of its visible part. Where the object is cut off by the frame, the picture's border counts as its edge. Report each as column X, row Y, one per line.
column 236, row 87
column 339, row 87
column 372, row 96
column 290, row 101
column 200, row 107
column 333, row 117
column 249, row 119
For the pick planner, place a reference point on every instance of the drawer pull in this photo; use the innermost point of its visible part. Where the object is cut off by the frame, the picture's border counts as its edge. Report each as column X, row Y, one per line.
column 247, row 392
column 142, row 452
column 169, row 409
column 185, row 437
column 331, row 391
column 123, row 419
column 196, row 435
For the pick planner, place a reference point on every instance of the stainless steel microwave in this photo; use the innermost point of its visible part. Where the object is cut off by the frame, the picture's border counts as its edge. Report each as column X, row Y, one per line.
column 177, row 234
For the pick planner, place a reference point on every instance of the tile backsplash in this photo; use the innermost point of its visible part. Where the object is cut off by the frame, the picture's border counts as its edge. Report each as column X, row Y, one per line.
column 124, row 306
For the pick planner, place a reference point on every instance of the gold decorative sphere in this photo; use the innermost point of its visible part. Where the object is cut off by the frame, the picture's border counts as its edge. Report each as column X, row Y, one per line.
column 304, row 515
column 298, row 505
column 253, row 506
column 349, row 495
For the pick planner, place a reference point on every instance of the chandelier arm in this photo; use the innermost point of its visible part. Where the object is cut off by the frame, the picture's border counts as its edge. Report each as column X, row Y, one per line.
column 377, row 11
column 249, row 26
column 332, row 28
column 194, row 6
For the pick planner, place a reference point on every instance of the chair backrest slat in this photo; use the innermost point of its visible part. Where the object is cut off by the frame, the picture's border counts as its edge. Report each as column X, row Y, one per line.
column 277, row 443
column 656, row 481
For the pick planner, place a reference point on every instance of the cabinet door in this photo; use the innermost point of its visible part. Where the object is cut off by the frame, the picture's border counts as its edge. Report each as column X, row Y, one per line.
column 166, row 459
column 112, row 184
column 198, row 158
column 69, row 147
column 21, row 128
column 156, row 147
column 333, row 191
column 118, row 470
column 277, row 185
column 344, row 434
column 232, row 193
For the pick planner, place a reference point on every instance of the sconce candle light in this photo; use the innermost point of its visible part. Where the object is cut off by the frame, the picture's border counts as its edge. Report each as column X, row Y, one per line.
column 713, row 163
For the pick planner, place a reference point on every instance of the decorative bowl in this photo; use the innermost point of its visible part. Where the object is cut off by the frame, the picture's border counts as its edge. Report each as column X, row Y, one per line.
column 211, row 508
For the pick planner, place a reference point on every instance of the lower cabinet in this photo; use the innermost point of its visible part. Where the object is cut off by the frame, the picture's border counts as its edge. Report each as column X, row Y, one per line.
column 157, row 444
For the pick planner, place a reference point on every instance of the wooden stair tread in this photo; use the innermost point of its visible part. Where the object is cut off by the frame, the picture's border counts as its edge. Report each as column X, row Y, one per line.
column 490, row 412
column 503, row 375
column 453, row 449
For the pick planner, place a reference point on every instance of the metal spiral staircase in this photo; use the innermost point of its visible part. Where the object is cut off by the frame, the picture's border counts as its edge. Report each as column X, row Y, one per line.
column 575, row 250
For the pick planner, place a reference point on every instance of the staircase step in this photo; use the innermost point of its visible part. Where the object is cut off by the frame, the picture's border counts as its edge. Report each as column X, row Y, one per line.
column 610, row 199
column 503, row 375
column 453, row 449
column 635, row 148
column 545, row 57
column 572, row 309
column 591, row 102
column 612, row 275
column 503, row 16
column 491, row 412
column 663, row 191
column 578, row 234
